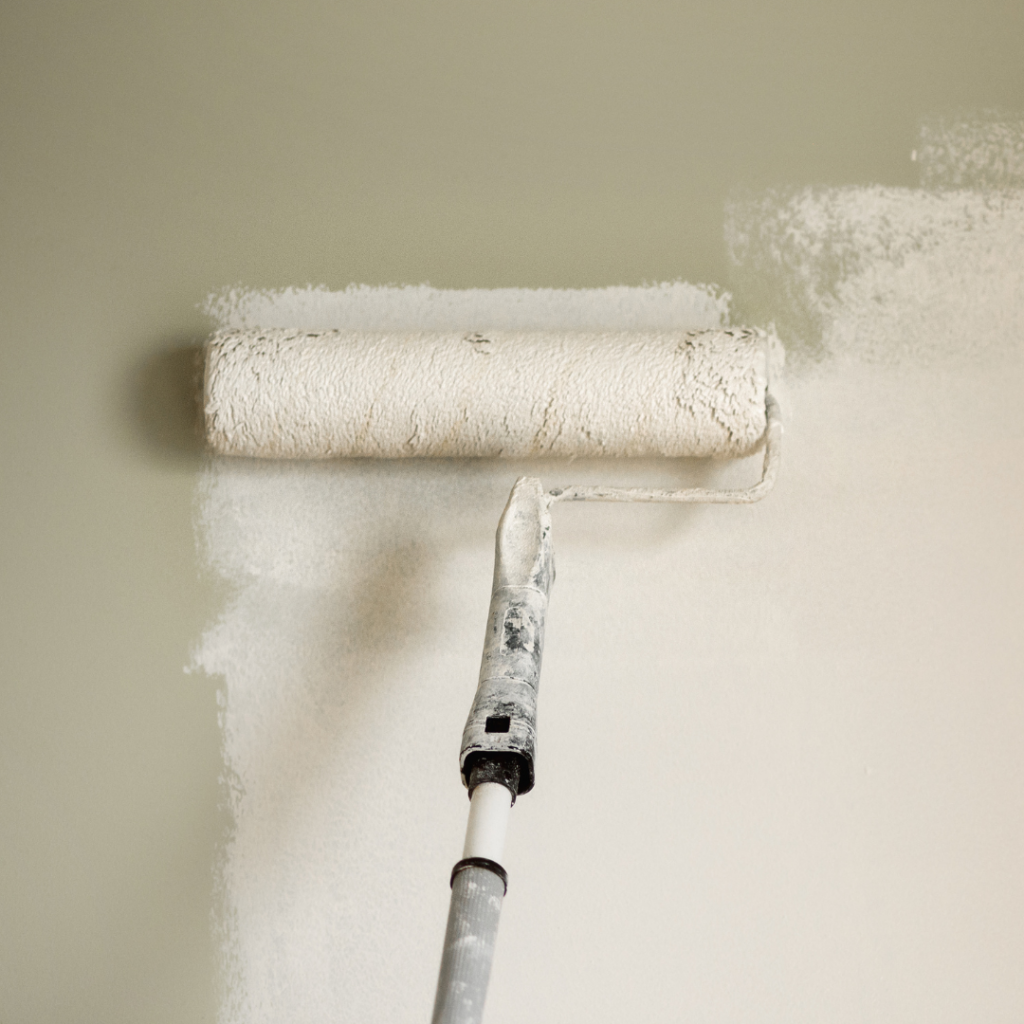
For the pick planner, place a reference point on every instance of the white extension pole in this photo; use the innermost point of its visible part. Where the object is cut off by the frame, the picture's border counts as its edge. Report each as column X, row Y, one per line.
column 489, row 811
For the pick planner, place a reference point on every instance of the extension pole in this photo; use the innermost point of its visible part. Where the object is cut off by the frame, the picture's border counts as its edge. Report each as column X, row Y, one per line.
column 478, row 887
column 497, row 748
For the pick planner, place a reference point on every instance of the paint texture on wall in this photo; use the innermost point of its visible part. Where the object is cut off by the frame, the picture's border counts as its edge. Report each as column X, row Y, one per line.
column 779, row 757
column 975, row 151
column 422, row 308
column 887, row 274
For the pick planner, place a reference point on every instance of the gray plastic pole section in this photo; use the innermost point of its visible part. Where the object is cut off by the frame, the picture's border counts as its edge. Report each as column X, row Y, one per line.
column 468, row 946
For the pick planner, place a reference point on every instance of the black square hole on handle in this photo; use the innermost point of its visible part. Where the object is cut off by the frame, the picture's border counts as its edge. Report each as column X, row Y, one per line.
column 498, row 723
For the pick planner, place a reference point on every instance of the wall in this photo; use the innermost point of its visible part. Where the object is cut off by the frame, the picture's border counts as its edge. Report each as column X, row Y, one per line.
column 805, row 798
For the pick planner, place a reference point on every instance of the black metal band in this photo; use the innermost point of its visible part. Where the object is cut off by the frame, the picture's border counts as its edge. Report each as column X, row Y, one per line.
column 506, row 769
column 481, row 862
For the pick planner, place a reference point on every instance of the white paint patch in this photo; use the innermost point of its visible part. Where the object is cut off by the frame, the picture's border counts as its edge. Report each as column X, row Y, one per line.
column 885, row 274
column 980, row 151
column 421, row 308
column 888, row 274
column 350, row 653
column 779, row 757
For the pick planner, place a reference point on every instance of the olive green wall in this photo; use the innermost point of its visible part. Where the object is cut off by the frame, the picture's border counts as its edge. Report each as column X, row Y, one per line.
column 150, row 153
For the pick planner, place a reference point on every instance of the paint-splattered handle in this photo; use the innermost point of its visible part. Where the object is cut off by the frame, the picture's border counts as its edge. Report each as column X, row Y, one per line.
column 502, row 723
column 469, row 940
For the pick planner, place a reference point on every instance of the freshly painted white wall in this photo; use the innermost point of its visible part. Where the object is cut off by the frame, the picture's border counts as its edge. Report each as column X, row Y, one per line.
column 779, row 776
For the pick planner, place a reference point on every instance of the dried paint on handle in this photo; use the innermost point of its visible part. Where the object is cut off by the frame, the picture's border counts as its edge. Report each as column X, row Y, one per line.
column 502, row 721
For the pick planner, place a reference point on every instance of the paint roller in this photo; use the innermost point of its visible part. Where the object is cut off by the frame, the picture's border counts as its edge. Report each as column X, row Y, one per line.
column 346, row 394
